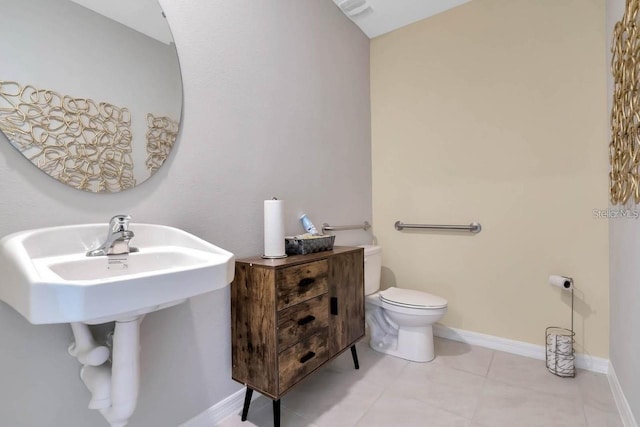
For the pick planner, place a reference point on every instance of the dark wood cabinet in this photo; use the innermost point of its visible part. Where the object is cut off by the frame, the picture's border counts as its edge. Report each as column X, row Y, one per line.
column 346, row 300
column 290, row 316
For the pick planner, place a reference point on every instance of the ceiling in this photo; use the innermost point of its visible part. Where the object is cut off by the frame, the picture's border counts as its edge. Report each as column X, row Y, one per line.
column 374, row 17
column 377, row 17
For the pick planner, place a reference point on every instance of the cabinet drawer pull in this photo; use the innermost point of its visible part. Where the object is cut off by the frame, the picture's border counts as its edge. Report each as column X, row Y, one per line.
column 333, row 306
column 307, row 357
column 306, row 281
column 307, row 319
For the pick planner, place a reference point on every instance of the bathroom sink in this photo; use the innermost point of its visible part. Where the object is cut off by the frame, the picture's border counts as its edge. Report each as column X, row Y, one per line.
column 48, row 278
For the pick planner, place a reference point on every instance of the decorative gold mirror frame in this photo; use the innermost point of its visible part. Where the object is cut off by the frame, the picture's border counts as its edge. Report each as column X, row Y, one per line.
column 624, row 148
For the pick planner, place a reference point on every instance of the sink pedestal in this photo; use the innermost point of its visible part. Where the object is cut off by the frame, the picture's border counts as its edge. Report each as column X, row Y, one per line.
column 114, row 389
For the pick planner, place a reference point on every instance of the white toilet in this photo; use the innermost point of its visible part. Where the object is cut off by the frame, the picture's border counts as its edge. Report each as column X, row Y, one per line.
column 400, row 320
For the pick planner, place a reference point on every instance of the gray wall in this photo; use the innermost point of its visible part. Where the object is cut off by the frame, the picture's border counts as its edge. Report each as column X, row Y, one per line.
column 276, row 104
column 624, row 248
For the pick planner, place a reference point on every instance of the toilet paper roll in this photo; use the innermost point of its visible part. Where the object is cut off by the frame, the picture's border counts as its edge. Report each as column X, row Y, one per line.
column 552, row 345
column 562, row 282
column 560, row 356
column 274, row 229
column 564, row 345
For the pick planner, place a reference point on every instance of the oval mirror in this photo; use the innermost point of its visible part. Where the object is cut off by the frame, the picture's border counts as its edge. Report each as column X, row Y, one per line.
column 90, row 90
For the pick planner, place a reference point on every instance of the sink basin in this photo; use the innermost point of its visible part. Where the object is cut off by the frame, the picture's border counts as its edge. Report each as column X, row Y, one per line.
column 48, row 278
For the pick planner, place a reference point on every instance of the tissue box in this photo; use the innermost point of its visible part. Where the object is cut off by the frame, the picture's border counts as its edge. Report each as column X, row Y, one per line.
column 297, row 246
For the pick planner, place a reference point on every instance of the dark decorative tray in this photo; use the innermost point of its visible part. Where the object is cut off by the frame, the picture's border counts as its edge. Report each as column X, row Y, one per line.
column 296, row 246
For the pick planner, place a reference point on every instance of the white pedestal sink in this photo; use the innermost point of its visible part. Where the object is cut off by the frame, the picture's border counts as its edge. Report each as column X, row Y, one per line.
column 48, row 278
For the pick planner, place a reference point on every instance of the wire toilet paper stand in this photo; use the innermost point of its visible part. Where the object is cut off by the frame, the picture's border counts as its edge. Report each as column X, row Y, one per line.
column 559, row 342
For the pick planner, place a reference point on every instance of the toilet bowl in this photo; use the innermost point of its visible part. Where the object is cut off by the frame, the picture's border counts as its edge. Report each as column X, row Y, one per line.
column 400, row 320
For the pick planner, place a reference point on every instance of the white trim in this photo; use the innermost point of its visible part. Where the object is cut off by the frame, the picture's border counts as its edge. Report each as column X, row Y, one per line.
column 628, row 420
column 221, row 410
column 233, row 404
column 583, row 361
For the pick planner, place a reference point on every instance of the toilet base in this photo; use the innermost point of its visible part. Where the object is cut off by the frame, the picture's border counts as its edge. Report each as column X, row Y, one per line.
column 414, row 343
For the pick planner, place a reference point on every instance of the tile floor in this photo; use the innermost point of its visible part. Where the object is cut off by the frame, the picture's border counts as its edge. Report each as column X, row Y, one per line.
column 465, row 386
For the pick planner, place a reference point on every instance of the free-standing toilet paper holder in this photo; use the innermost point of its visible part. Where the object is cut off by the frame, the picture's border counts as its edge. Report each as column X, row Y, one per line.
column 559, row 342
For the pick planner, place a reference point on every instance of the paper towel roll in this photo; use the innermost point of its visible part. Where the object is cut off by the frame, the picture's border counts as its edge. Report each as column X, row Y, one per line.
column 274, row 229
column 562, row 282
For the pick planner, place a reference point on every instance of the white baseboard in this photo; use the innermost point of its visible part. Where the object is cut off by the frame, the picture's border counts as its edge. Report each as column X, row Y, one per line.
column 221, row 410
column 628, row 420
column 233, row 404
column 583, row 361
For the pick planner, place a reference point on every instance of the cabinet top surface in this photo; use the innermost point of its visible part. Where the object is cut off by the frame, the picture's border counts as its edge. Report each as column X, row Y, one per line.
column 298, row 259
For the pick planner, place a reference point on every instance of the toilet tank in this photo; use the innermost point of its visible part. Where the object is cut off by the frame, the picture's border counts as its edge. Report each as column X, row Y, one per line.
column 372, row 268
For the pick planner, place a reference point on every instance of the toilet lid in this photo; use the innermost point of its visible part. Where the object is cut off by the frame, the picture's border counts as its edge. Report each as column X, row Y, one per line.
column 412, row 298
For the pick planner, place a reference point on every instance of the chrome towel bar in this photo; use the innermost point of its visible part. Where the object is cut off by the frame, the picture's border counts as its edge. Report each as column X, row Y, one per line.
column 474, row 227
column 327, row 227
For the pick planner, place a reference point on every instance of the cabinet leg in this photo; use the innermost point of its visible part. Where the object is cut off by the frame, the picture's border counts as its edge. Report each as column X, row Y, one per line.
column 354, row 354
column 247, row 402
column 276, row 413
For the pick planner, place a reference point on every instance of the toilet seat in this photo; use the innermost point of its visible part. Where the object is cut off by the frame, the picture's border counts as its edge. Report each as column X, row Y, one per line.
column 412, row 299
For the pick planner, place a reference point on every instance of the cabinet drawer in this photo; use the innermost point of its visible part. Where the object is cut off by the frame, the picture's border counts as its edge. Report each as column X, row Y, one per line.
column 298, row 361
column 301, row 282
column 302, row 320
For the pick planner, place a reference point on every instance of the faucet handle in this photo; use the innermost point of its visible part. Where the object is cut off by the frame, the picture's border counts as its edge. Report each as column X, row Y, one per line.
column 119, row 223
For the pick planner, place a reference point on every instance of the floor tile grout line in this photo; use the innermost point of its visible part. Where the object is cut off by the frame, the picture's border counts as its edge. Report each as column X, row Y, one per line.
column 384, row 389
column 442, row 408
column 464, row 370
column 438, row 407
column 284, row 405
column 584, row 415
column 475, row 410
column 431, row 404
column 371, row 405
column 484, row 384
column 309, row 420
column 493, row 352
column 363, row 379
column 493, row 356
column 576, row 398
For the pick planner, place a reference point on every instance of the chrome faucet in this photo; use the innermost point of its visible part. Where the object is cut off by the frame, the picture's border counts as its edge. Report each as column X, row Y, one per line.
column 118, row 237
